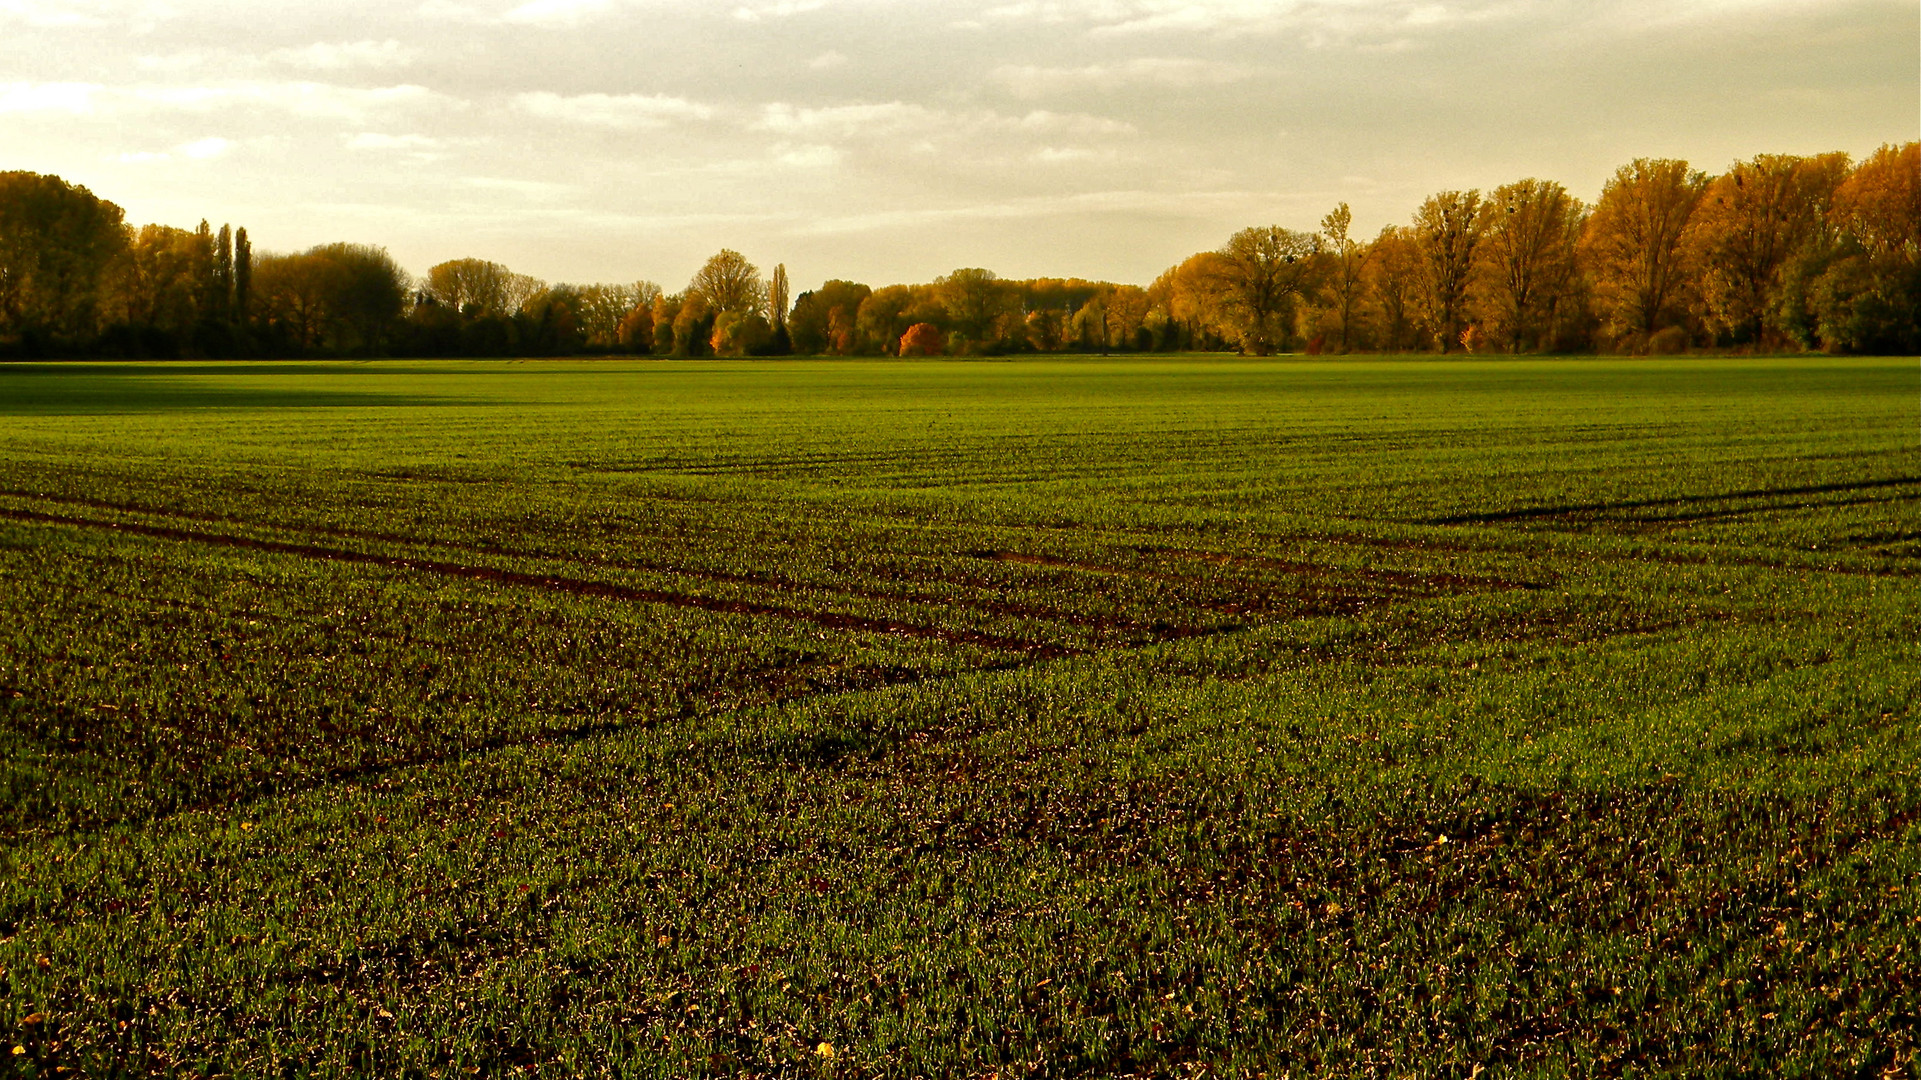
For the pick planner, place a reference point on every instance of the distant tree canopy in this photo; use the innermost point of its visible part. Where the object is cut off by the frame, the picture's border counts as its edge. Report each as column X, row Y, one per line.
column 1258, row 279
column 822, row 320
column 1778, row 252
column 479, row 287
column 59, row 246
column 1635, row 246
column 345, row 298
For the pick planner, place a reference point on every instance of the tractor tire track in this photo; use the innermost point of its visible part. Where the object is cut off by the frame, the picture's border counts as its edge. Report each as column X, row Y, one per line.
column 573, row 586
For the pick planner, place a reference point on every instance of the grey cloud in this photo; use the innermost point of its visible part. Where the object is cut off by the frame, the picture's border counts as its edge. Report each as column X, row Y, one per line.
column 1174, row 72
column 342, row 56
column 634, row 111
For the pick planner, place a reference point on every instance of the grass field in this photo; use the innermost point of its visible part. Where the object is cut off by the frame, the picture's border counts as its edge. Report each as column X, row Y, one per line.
column 1177, row 716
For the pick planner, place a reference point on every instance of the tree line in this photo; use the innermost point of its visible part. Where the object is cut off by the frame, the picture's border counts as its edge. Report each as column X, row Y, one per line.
column 1779, row 252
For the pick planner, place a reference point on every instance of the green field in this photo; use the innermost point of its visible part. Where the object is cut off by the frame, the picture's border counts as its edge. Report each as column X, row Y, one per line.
column 1175, row 716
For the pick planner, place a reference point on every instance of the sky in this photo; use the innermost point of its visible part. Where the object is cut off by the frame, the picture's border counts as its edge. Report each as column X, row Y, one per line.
column 882, row 141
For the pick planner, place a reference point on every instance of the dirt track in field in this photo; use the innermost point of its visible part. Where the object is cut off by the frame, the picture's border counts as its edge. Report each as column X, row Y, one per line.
column 573, row 586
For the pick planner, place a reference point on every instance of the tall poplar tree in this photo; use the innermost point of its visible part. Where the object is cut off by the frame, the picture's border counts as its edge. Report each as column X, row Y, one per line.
column 777, row 296
column 242, row 276
column 222, row 307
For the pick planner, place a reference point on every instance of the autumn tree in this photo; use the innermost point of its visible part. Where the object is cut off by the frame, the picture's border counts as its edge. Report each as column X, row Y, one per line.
column 1044, row 329
column 1750, row 221
column 1533, row 228
column 1859, row 288
column 1347, row 266
column 552, row 322
column 222, row 306
column 176, row 292
column 777, row 297
column 474, row 287
column 1125, row 315
column 666, row 311
column 1446, row 231
column 370, row 291
column 1195, row 306
column 843, row 332
column 1260, row 275
column 154, row 287
column 1879, row 204
column 206, row 269
column 823, row 319
column 1112, row 318
column 728, row 282
column 741, row 333
column 1393, row 275
column 882, row 317
column 602, row 310
column 1062, row 295
column 242, row 279
column 635, row 329
column 343, row 297
column 58, row 246
column 1633, row 244
column 922, row 339
column 974, row 300
column 693, row 326
column 294, row 293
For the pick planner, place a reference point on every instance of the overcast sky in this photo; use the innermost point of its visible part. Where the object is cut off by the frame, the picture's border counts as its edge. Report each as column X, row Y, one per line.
column 610, row 140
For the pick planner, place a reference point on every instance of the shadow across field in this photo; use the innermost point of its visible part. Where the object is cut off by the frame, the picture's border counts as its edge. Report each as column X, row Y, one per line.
column 1623, row 510
column 57, row 390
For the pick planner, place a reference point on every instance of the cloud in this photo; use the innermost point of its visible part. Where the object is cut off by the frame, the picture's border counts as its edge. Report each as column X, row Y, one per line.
column 1643, row 16
column 49, row 14
column 1238, row 17
column 329, row 56
column 1040, row 120
column 137, row 17
column 894, row 119
column 535, row 190
column 212, row 146
column 885, row 118
column 784, row 9
column 68, row 97
column 1073, row 155
column 555, row 12
column 449, row 11
column 172, row 63
column 373, row 140
column 307, row 99
column 544, row 14
column 303, row 98
column 1186, row 203
column 1174, row 72
column 631, row 111
column 828, row 60
column 807, row 156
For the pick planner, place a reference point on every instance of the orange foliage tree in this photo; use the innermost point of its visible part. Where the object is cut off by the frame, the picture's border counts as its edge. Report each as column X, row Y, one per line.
column 922, row 339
